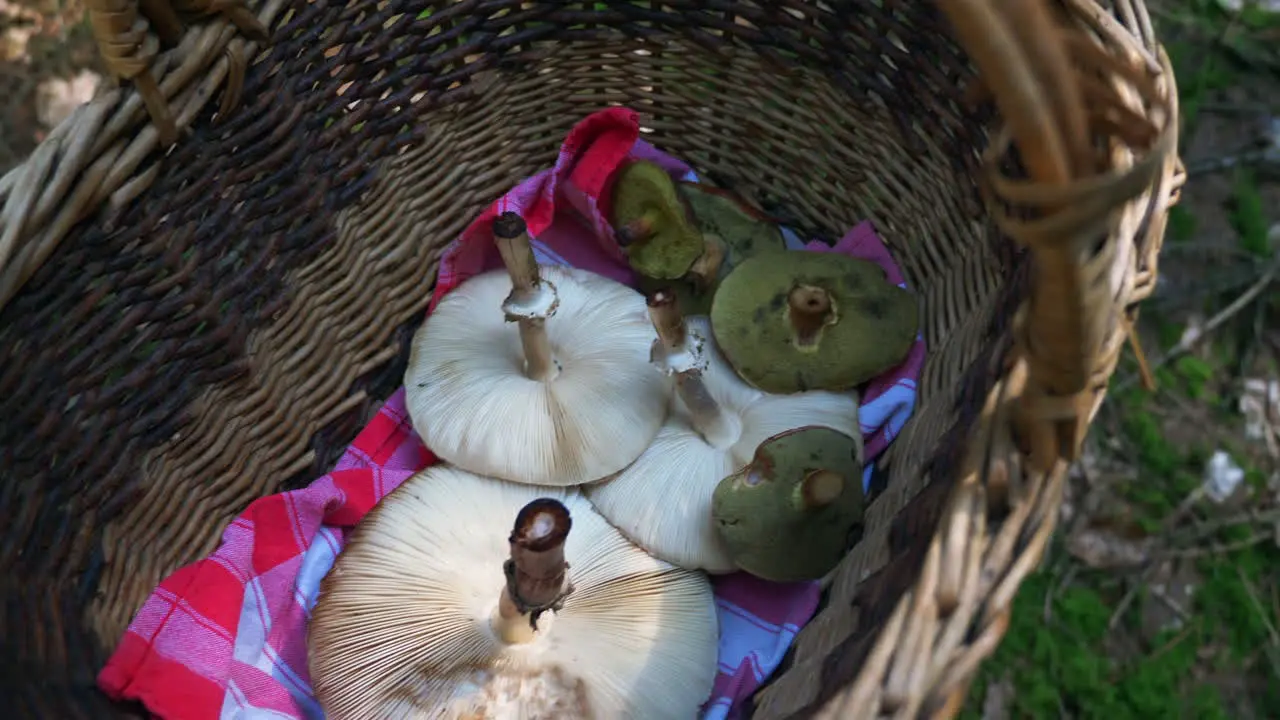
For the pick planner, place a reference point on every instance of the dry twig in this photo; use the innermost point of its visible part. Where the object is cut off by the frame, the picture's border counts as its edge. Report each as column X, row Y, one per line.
column 1190, row 341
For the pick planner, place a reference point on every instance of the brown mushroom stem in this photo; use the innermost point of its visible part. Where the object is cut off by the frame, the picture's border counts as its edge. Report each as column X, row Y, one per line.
column 819, row 489
column 537, row 574
column 706, row 268
column 809, row 309
column 707, row 416
column 511, row 235
column 638, row 230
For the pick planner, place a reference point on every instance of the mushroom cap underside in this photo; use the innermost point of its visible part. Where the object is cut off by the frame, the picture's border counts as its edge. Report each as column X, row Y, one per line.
column 471, row 402
column 402, row 630
column 644, row 192
column 870, row 328
column 663, row 500
column 765, row 519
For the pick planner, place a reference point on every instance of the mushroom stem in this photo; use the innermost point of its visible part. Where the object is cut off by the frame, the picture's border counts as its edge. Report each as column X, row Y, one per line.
column 511, row 235
column 707, row 267
column 638, row 230
column 809, row 309
column 707, row 417
column 818, row 489
column 537, row 574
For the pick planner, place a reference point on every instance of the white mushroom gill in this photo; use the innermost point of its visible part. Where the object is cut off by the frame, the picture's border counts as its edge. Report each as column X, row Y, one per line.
column 663, row 500
column 497, row 389
column 410, row 623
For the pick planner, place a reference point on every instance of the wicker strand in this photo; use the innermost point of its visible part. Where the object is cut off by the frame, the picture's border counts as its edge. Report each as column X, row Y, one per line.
column 164, row 20
column 85, row 159
column 129, row 51
column 236, row 11
column 1032, row 404
column 1039, row 72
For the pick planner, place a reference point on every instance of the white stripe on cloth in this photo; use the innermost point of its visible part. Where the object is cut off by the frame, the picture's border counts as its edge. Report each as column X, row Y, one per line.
column 252, row 647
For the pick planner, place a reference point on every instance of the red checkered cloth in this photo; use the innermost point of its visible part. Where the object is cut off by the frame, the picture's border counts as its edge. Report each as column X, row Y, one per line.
column 225, row 637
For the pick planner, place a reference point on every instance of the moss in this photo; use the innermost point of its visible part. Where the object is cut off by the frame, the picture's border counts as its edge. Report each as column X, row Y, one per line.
column 1182, row 224
column 1064, row 667
column 1069, row 665
column 1194, row 375
column 1247, row 215
column 1227, row 596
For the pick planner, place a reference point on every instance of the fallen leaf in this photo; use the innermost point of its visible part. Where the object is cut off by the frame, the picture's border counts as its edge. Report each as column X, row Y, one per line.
column 1102, row 549
column 1260, row 405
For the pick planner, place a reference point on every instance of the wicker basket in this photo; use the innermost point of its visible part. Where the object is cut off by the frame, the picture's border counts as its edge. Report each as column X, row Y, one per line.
column 184, row 332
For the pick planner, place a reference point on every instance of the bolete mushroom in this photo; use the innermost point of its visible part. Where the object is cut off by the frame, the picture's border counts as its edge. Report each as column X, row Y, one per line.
column 662, row 501
column 568, row 398
column 438, row 607
column 789, row 514
column 652, row 223
column 796, row 320
column 732, row 231
column 742, row 230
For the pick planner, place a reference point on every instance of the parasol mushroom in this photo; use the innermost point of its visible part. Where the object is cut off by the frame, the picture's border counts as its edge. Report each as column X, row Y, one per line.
column 572, row 400
column 790, row 513
column 416, row 620
column 662, row 501
column 653, row 224
column 797, row 320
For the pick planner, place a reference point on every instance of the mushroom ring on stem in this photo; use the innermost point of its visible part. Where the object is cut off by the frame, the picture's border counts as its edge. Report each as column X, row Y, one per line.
column 536, row 374
column 797, row 320
column 793, row 511
column 663, row 500
column 430, row 611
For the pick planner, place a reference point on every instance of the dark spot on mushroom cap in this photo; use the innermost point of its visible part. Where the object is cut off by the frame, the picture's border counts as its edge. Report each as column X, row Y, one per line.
column 853, row 280
column 758, row 315
column 778, row 301
column 875, row 307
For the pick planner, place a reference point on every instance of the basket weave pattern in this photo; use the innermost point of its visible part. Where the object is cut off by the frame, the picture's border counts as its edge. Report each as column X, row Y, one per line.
column 181, row 334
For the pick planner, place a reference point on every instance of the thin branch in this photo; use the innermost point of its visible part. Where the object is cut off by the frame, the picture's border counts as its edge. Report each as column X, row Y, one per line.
column 1191, row 340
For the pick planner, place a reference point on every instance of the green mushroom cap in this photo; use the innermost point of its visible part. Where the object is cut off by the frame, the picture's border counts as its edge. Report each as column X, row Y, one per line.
column 652, row 222
column 790, row 513
column 796, row 321
column 744, row 231
column 732, row 231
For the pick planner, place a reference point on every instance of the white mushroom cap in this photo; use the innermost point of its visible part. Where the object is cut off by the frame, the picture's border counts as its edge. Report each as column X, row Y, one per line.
column 471, row 402
column 408, row 623
column 662, row 501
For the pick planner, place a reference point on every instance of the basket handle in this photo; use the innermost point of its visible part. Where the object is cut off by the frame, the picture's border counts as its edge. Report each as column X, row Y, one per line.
column 1068, row 106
